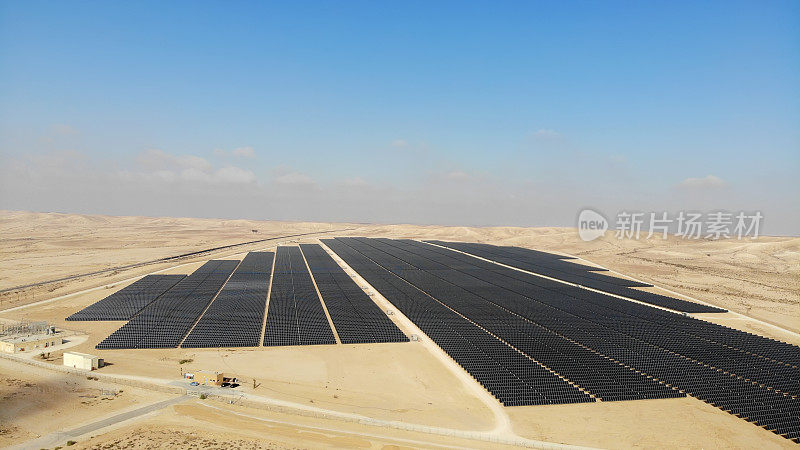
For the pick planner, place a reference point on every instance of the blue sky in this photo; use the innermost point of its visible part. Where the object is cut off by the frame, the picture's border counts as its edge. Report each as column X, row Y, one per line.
column 473, row 113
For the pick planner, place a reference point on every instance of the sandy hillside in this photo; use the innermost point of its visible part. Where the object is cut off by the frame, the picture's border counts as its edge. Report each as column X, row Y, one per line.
column 40, row 247
column 37, row 247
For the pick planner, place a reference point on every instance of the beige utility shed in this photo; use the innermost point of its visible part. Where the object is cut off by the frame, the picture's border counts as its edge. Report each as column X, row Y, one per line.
column 82, row 361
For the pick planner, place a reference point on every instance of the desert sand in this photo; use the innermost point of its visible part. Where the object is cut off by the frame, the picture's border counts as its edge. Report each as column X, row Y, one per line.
column 406, row 382
column 37, row 402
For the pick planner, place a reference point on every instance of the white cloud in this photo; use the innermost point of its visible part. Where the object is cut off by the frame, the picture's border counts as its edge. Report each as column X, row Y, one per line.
column 544, row 133
column 707, row 182
column 231, row 174
column 155, row 159
column 192, row 174
column 157, row 183
column 158, row 166
column 244, row 152
column 194, row 162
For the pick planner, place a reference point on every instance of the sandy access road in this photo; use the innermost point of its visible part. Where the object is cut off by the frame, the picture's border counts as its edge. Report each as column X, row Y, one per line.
column 59, row 438
column 402, row 382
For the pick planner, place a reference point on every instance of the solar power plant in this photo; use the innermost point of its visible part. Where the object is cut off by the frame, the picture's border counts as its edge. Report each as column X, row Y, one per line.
column 125, row 303
column 551, row 264
column 164, row 322
column 295, row 315
column 355, row 316
column 554, row 266
column 512, row 377
column 605, row 379
column 236, row 316
column 747, row 375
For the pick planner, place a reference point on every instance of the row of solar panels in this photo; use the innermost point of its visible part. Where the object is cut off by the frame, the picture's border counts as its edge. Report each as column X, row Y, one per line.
column 555, row 267
column 295, row 316
column 125, row 303
column 222, row 304
column 235, row 317
column 483, row 314
column 166, row 320
column 356, row 317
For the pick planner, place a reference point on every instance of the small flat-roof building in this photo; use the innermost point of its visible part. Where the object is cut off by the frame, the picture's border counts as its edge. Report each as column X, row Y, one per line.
column 23, row 343
column 206, row 377
column 84, row 361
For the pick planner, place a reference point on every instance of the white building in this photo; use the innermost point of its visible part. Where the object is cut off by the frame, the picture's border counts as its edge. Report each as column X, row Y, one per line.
column 82, row 361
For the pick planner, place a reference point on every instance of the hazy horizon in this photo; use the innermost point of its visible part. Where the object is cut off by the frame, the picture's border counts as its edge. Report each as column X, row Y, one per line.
column 478, row 114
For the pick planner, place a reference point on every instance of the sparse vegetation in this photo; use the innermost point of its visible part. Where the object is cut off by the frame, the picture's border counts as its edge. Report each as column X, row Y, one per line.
column 203, row 396
column 69, row 443
column 185, row 361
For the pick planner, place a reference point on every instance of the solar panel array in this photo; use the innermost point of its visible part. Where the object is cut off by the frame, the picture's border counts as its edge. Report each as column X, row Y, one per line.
column 605, row 379
column 747, row 375
column 164, row 322
column 125, row 303
column 554, row 266
column 295, row 315
column 355, row 316
column 561, row 266
column 236, row 316
column 509, row 375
